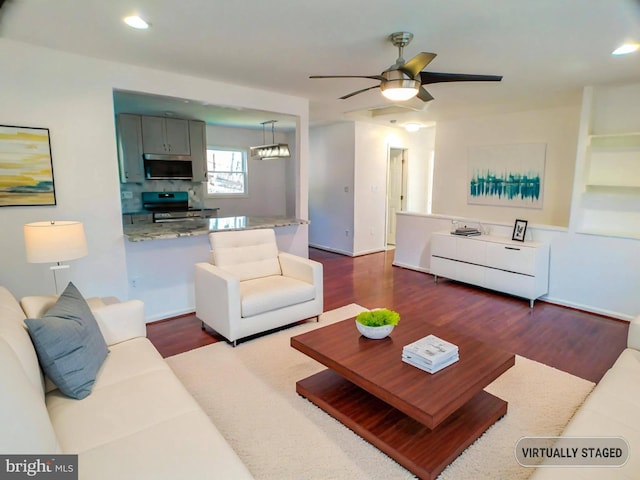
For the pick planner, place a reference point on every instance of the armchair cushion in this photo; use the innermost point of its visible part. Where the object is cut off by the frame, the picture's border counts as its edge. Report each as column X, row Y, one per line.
column 264, row 294
column 245, row 254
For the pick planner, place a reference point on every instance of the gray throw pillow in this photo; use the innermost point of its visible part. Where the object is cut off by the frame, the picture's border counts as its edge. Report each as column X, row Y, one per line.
column 69, row 344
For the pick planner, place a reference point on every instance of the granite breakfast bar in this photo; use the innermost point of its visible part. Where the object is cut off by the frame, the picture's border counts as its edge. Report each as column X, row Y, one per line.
column 139, row 232
column 161, row 256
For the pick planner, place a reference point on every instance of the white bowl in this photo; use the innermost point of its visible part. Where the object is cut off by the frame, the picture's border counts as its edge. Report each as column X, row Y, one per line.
column 375, row 333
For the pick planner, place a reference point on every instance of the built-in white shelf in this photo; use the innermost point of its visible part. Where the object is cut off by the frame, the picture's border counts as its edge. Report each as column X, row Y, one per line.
column 615, row 140
column 610, row 200
column 614, row 160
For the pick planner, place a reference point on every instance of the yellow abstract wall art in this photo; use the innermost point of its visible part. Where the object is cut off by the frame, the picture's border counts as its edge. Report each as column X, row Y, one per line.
column 26, row 170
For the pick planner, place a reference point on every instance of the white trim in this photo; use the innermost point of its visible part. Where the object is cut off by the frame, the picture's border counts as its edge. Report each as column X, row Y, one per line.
column 410, row 267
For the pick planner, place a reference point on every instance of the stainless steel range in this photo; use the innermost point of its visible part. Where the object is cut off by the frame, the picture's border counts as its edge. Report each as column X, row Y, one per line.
column 173, row 207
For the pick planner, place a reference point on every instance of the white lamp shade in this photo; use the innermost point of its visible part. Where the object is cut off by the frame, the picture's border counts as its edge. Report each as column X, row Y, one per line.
column 47, row 242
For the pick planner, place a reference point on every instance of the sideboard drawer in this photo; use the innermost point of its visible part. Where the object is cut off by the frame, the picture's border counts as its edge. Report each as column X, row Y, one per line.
column 470, row 250
column 514, row 284
column 443, row 246
column 513, row 258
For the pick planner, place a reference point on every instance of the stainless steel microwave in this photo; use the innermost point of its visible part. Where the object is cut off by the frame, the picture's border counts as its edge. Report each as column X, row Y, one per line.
column 165, row 167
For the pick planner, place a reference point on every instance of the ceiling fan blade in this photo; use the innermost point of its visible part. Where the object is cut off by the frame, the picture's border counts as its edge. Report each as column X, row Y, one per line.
column 373, row 77
column 424, row 95
column 417, row 63
column 436, row 77
column 358, row 91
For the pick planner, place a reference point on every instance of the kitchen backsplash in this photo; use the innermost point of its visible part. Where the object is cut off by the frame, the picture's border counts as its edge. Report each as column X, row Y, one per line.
column 134, row 204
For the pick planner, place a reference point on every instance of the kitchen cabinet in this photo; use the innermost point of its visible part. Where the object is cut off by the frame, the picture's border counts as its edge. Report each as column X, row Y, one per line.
column 517, row 268
column 130, row 148
column 165, row 135
column 198, row 137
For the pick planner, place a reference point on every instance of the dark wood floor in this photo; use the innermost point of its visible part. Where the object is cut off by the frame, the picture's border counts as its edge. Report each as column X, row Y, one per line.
column 577, row 342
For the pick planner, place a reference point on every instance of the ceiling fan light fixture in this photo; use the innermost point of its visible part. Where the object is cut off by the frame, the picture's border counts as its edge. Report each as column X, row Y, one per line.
column 626, row 49
column 400, row 90
column 134, row 21
column 398, row 86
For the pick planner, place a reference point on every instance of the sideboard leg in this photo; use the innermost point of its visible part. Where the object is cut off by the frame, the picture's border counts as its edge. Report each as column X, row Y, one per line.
column 531, row 302
column 435, row 279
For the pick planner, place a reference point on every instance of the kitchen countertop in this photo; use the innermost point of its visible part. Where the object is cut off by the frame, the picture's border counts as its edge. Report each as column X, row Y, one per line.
column 139, row 232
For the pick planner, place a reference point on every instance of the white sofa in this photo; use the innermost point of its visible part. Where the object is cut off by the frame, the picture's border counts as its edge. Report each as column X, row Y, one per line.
column 612, row 409
column 139, row 422
column 249, row 287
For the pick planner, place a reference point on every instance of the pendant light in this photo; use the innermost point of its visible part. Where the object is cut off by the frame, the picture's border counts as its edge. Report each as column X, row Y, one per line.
column 272, row 150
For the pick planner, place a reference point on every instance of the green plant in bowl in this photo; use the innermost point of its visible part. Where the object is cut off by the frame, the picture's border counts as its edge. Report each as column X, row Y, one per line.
column 377, row 324
column 378, row 317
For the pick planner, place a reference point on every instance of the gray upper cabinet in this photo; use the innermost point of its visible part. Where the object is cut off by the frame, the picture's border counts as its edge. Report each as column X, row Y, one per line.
column 165, row 135
column 198, row 135
column 130, row 148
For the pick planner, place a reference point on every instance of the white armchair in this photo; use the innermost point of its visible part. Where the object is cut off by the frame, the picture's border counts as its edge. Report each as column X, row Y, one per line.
column 248, row 287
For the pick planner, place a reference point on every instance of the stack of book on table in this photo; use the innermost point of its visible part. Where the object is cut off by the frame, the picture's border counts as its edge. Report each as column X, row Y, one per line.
column 430, row 354
column 466, row 232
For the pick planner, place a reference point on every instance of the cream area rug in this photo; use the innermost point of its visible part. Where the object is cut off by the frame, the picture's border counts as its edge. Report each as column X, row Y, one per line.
column 249, row 394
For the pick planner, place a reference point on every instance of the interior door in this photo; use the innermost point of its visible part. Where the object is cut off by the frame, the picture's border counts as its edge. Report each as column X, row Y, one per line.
column 395, row 190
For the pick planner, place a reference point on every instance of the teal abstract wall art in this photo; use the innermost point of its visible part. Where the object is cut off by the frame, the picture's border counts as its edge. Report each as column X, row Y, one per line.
column 506, row 175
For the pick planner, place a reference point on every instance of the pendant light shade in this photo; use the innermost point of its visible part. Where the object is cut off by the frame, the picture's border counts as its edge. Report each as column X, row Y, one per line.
column 272, row 150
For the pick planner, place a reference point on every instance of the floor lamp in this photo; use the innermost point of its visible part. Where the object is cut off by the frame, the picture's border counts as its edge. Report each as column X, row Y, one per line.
column 54, row 242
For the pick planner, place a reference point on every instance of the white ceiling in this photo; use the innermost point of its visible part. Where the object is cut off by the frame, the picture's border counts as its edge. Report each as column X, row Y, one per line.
column 547, row 50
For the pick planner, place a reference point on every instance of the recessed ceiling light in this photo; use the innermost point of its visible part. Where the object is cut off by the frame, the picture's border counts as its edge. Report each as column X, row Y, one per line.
column 412, row 127
column 626, row 48
column 136, row 22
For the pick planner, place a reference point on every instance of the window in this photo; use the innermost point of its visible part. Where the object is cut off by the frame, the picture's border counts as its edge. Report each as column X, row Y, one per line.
column 226, row 171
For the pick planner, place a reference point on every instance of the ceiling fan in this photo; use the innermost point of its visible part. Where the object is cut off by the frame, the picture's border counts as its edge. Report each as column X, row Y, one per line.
column 404, row 79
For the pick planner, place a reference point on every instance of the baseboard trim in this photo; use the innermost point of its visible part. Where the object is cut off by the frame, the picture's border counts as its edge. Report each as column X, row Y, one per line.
column 587, row 308
column 331, row 249
column 159, row 317
column 345, row 252
column 410, row 267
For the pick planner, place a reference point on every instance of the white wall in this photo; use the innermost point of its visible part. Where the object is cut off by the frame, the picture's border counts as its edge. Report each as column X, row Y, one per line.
column 421, row 147
column 331, row 184
column 73, row 97
column 270, row 184
column 557, row 128
column 355, row 156
column 370, row 187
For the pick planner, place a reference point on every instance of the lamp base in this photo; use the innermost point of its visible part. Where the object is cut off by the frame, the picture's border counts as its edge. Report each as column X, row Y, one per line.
column 54, row 269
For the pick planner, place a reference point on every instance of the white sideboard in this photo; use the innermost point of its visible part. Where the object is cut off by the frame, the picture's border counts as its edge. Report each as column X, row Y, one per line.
column 497, row 263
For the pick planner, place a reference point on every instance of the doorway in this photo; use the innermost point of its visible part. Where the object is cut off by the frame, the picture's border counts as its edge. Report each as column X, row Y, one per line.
column 396, row 188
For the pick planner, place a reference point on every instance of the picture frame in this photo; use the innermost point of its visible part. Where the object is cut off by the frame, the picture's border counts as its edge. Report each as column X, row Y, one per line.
column 506, row 175
column 26, row 167
column 519, row 230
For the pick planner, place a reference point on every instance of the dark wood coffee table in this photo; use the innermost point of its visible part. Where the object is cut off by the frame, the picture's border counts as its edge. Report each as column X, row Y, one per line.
column 423, row 421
